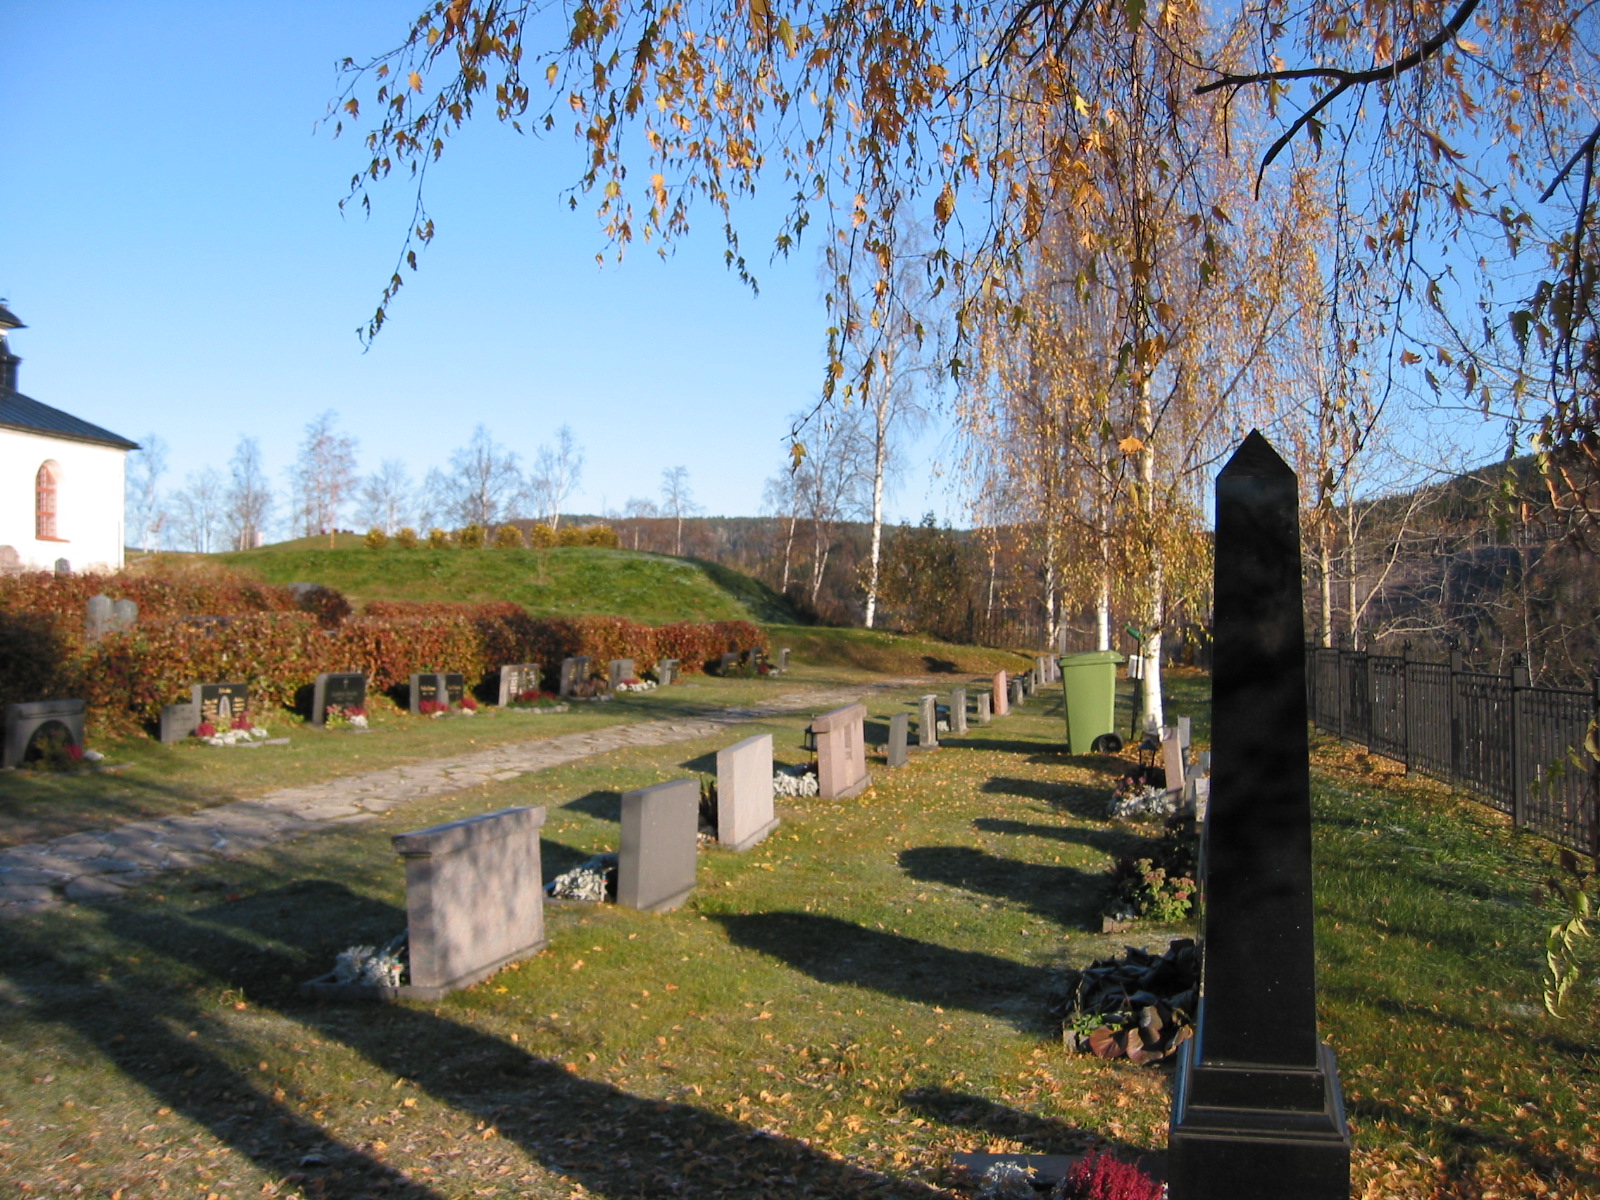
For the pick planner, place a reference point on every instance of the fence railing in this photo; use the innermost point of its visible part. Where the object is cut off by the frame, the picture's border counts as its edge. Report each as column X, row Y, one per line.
column 1519, row 747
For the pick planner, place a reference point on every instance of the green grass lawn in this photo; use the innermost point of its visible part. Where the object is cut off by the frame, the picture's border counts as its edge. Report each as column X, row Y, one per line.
column 831, row 1014
column 560, row 582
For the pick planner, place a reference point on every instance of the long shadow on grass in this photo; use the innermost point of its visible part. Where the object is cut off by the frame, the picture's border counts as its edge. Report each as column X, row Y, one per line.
column 1035, row 752
column 1041, row 1135
column 1062, row 894
column 1107, row 841
column 1075, row 798
column 135, row 1029
column 841, row 952
column 602, row 806
column 615, row 1144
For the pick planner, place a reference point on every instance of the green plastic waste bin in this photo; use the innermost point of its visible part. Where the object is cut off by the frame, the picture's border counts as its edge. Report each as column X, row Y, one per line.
column 1089, row 683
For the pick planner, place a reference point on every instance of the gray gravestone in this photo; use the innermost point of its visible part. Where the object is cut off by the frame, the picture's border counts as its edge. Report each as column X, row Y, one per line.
column 984, row 716
column 1172, row 759
column 1257, row 1110
column 517, row 680
column 219, row 703
column 656, row 860
column 744, row 792
column 1185, row 733
column 24, row 721
column 1016, row 693
column 667, row 672
column 899, row 723
column 958, row 710
column 726, row 662
column 620, row 670
column 928, row 722
column 97, row 618
column 124, row 616
column 63, row 567
column 426, row 687
column 344, row 690
column 841, row 752
column 574, row 672
column 751, row 659
column 177, row 722
column 474, row 898
column 783, row 659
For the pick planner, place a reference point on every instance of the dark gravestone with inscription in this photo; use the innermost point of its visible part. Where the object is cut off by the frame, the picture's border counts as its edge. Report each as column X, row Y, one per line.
column 345, row 690
column 455, row 688
column 219, row 703
column 1256, row 1109
column 425, row 689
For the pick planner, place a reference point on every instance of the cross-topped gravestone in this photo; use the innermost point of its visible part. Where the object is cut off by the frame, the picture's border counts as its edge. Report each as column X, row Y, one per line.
column 346, row 690
column 1257, row 1111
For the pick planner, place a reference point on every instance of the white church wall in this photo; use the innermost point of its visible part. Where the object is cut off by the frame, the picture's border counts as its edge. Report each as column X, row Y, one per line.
column 89, row 500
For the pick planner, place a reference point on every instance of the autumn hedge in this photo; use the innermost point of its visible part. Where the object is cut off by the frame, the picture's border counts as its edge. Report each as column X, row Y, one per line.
column 279, row 639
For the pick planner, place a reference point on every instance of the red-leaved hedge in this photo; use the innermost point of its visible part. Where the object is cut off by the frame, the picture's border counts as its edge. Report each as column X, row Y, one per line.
column 280, row 645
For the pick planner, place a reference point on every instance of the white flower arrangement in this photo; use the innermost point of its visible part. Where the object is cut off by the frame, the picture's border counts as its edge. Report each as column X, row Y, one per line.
column 794, row 781
column 233, row 737
column 636, row 685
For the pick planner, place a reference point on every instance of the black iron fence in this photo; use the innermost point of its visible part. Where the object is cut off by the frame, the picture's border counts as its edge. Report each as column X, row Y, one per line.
column 1520, row 747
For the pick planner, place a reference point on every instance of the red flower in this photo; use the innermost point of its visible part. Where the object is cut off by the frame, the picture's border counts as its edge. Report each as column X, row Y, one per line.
column 205, row 729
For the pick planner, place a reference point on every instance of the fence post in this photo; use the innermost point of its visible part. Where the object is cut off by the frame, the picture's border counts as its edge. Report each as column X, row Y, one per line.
column 1405, row 704
column 1457, row 668
column 1519, row 753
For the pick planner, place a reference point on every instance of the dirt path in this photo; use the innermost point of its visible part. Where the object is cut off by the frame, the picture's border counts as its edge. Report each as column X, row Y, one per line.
column 102, row 863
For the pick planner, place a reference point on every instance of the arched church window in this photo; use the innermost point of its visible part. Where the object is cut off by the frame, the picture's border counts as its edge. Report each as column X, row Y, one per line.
column 44, row 505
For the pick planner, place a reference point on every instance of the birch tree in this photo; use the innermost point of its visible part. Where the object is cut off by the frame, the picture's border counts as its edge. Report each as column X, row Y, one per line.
column 249, row 498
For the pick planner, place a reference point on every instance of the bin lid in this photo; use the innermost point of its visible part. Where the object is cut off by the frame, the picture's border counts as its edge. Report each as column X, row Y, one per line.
column 1092, row 656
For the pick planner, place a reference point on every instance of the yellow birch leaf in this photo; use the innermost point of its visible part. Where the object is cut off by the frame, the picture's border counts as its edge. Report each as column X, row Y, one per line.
column 1130, row 445
column 415, row 81
column 945, row 205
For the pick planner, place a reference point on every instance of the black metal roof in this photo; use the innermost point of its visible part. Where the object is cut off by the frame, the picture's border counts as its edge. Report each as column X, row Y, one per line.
column 8, row 321
column 23, row 412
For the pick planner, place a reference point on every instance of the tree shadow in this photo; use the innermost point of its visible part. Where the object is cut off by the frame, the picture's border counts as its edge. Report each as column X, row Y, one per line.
column 1063, row 894
column 1114, row 842
column 1042, row 1135
column 938, row 666
column 704, row 764
column 840, row 952
column 136, row 1029
column 613, row 1143
column 601, row 805
column 557, row 858
column 1079, row 799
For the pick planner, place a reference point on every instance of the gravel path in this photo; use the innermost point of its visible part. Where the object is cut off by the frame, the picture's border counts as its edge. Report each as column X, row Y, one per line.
column 96, row 864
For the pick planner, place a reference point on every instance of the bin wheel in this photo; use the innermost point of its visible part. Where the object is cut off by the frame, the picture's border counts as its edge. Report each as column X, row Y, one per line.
column 1106, row 743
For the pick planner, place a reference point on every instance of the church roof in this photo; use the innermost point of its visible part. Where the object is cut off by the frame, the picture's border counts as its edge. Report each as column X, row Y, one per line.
column 23, row 412
column 7, row 321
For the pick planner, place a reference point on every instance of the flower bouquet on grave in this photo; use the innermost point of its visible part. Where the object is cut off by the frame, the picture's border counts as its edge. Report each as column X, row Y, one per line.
column 242, row 730
column 533, row 698
column 469, row 706
column 344, row 716
column 434, row 708
column 636, row 685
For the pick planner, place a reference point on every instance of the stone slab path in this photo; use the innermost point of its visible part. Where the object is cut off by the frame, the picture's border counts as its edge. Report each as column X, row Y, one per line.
column 97, row 864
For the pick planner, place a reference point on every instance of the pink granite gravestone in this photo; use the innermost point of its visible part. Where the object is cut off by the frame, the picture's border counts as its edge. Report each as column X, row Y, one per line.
column 841, row 752
column 474, row 898
column 1000, row 702
column 744, row 792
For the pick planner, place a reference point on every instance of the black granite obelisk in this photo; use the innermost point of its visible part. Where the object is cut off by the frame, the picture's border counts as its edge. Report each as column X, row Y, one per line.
column 1256, row 1109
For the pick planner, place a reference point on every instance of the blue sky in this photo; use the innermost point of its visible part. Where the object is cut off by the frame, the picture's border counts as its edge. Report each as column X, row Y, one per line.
column 173, row 241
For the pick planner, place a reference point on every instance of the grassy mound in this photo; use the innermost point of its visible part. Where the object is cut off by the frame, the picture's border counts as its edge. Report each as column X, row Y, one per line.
column 563, row 581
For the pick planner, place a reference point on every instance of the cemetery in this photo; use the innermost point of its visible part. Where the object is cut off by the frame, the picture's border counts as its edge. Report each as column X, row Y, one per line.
column 928, row 964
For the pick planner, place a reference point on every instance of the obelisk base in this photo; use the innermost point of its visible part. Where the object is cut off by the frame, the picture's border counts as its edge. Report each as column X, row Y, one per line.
column 1242, row 1133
